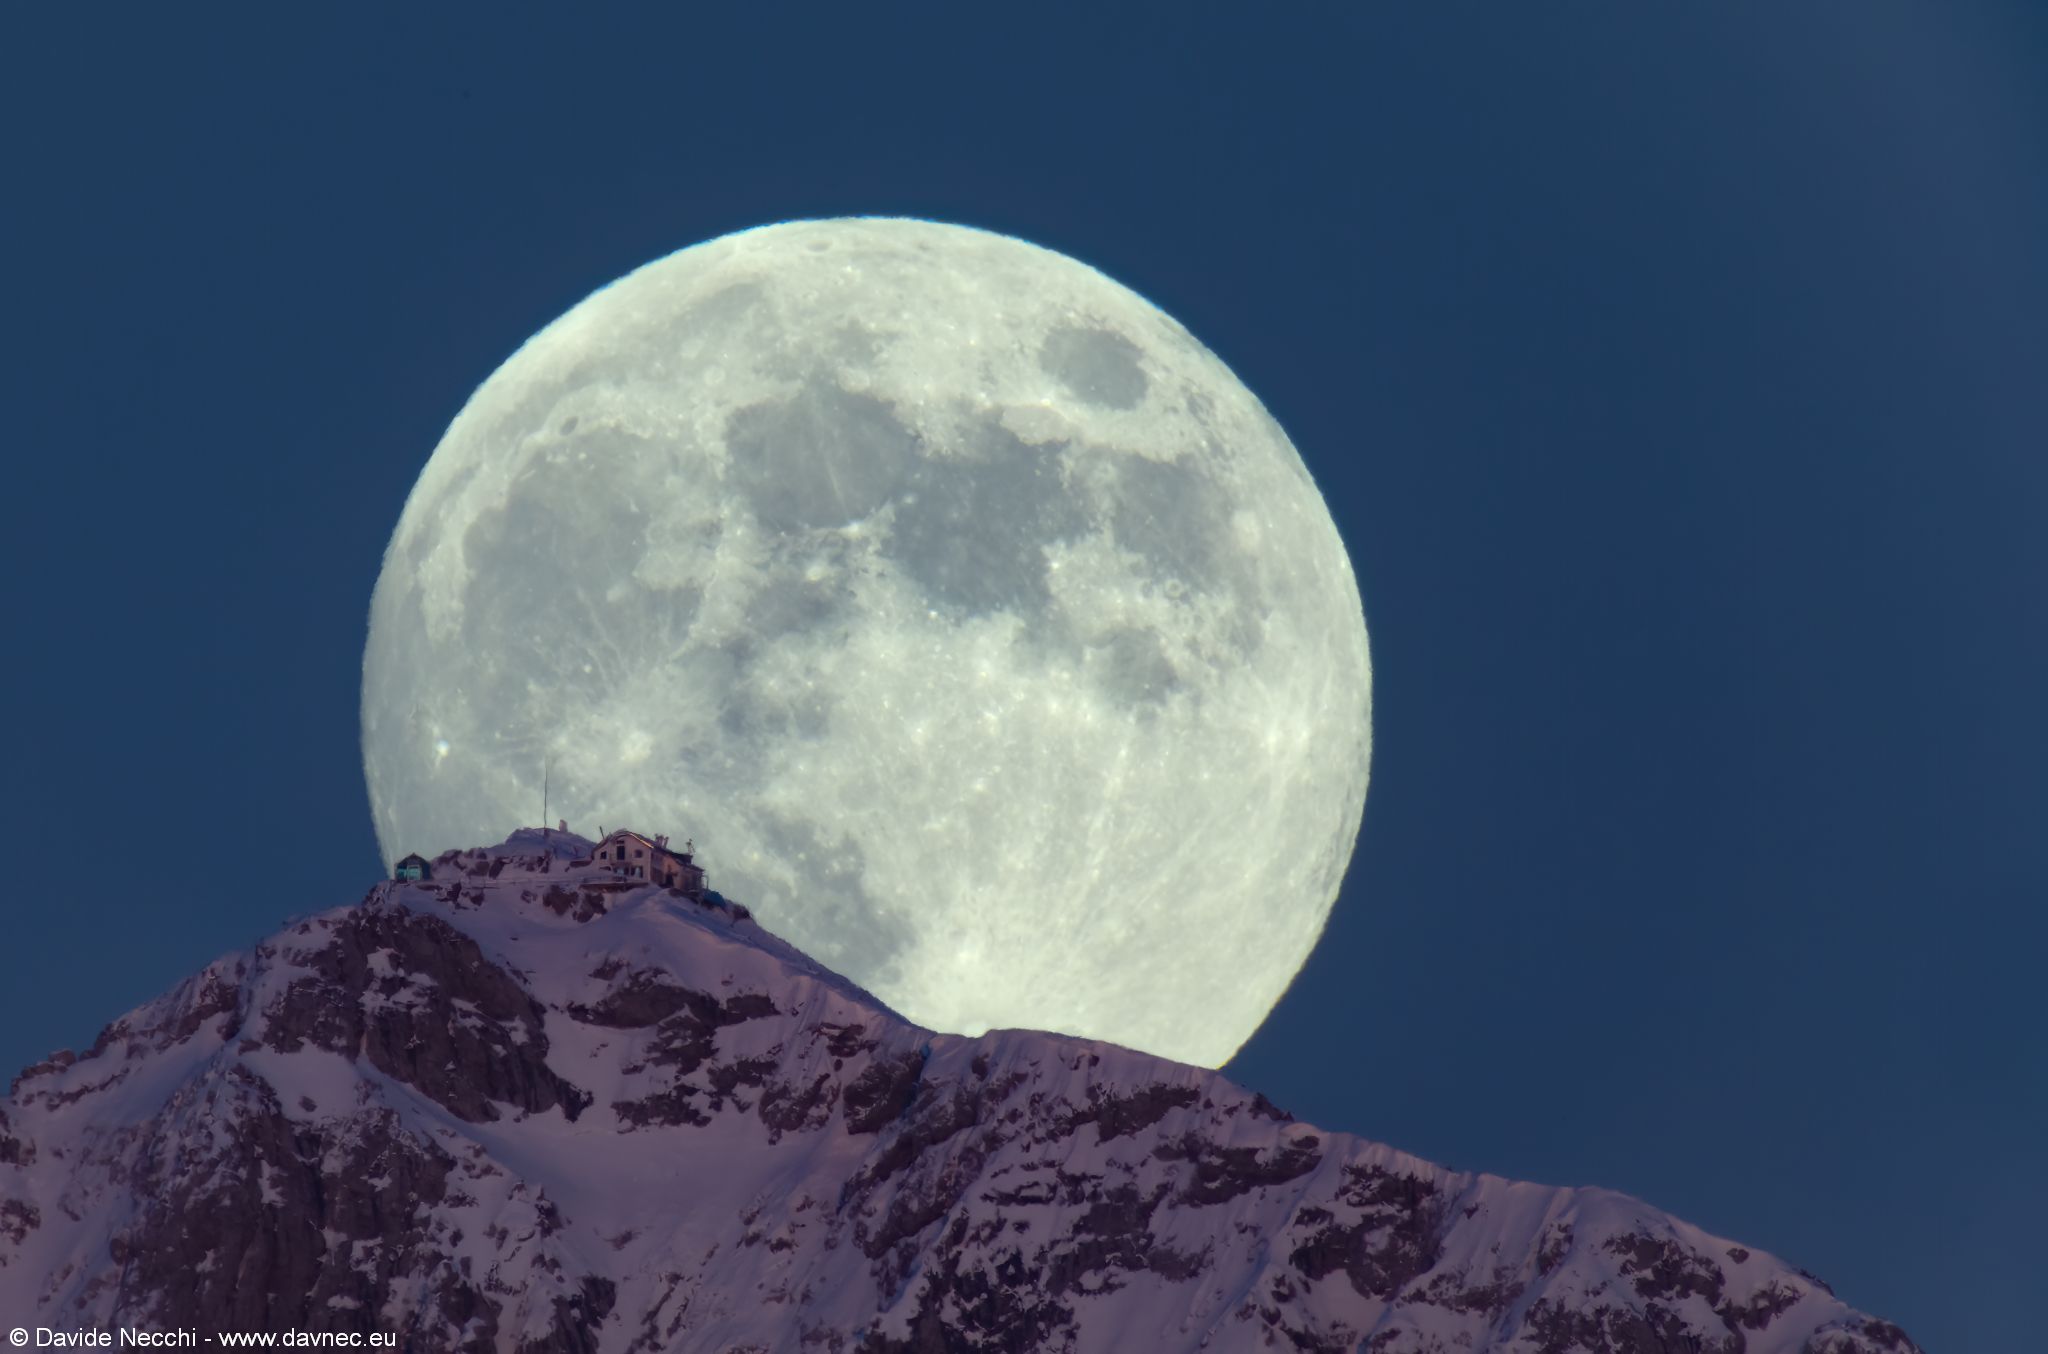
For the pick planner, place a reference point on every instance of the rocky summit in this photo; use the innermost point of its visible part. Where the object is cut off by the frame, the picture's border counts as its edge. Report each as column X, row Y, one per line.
column 524, row 1105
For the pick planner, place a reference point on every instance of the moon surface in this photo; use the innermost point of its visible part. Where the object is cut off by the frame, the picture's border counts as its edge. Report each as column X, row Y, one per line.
column 987, row 635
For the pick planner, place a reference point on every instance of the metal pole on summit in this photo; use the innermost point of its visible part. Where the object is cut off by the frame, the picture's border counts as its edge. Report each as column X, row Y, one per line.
column 544, row 794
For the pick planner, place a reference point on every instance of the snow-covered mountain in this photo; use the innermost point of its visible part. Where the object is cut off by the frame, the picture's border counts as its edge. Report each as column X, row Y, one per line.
column 526, row 1106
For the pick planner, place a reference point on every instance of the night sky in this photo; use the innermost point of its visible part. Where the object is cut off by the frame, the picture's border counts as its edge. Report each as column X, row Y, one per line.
column 1676, row 380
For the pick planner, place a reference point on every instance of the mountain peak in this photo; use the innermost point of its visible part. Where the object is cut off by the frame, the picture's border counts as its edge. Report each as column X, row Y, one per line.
column 525, row 1104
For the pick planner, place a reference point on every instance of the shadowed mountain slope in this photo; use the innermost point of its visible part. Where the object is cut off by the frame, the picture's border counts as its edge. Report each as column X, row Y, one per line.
column 525, row 1106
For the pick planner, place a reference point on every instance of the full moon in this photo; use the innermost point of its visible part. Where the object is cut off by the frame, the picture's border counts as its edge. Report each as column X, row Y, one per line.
column 987, row 635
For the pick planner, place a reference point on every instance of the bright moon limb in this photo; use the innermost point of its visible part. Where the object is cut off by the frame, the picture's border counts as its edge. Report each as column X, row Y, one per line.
column 985, row 632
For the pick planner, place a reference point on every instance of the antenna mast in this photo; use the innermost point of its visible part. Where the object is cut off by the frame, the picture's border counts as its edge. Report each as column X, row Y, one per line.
column 544, row 794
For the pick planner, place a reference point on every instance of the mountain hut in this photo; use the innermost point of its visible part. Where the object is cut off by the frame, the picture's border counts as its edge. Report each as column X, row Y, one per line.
column 638, row 857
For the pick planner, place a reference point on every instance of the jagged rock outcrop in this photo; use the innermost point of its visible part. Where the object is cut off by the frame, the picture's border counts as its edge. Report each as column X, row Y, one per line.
column 522, row 1107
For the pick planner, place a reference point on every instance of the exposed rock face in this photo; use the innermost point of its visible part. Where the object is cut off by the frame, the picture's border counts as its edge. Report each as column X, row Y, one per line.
column 414, row 998
column 519, row 1109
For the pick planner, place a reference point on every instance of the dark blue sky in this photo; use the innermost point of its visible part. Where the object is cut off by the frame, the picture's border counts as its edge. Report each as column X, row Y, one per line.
column 1676, row 378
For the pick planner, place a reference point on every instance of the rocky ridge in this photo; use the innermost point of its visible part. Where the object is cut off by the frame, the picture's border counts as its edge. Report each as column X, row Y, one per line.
column 524, row 1106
